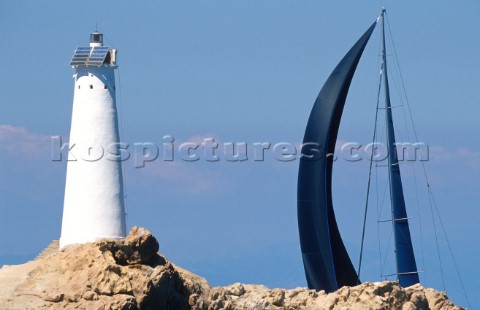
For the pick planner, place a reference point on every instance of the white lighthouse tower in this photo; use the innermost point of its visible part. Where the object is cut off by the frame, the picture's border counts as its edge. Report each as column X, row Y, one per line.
column 93, row 206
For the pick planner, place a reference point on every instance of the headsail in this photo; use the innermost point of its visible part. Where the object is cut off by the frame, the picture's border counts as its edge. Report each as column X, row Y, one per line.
column 405, row 259
column 326, row 261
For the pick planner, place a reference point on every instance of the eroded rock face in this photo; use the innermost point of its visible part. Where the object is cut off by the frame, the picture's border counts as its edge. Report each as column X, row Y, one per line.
column 130, row 274
column 380, row 295
column 126, row 274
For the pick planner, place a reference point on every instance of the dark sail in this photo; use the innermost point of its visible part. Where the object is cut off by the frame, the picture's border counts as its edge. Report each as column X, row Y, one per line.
column 405, row 259
column 326, row 261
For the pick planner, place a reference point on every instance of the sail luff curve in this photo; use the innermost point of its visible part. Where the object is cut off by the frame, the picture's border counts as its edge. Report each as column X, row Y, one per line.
column 326, row 261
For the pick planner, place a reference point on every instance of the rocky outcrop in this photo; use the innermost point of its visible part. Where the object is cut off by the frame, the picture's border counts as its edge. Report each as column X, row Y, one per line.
column 130, row 274
column 381, row 295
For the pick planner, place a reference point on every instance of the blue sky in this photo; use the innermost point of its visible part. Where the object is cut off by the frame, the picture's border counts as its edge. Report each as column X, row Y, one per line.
column 240, row 71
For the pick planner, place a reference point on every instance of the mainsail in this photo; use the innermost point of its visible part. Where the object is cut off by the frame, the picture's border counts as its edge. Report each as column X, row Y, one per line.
column 326, row 261
column 405, row 259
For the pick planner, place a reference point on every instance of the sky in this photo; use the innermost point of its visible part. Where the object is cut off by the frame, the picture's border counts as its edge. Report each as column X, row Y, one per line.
column 246, row 71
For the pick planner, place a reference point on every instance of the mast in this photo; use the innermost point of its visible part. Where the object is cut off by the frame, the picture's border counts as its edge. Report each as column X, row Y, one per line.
column 407, row 273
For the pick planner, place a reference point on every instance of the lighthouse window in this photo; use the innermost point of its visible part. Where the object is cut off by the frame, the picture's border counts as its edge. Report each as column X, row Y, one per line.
column 78, row 86
column 96, row 38
column 91, row 86
column 104, row 86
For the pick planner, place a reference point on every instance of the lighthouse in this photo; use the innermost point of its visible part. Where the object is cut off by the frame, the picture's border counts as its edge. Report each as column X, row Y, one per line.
column 94, row 202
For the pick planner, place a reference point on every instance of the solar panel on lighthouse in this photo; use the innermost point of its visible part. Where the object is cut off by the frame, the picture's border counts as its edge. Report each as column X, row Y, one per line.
column 90, row 57
column 80, row 57
column 98, row 56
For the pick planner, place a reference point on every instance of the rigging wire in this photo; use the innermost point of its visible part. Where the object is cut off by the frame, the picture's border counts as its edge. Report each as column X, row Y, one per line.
column 419, row 221
column 370, row 175
column 431, row 196
column 449, row 246
column 379, row 216
column 379, row 212
column 401, row 96
column 379, row 206
column 382, row 270
column 436, row 238
column 421, row 159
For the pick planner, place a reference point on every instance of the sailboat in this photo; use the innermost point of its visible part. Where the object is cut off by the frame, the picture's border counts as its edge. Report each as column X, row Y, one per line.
column 326, row 261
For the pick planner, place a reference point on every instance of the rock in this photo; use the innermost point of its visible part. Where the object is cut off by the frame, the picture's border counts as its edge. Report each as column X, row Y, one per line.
column 89, row 295
column 236, row 289
column 438, row 300
column 53, row 297
column 129, row 274
column 276, row 297
column 418, row 300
